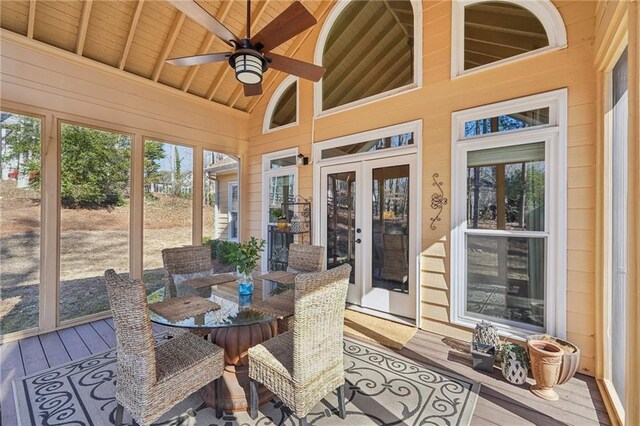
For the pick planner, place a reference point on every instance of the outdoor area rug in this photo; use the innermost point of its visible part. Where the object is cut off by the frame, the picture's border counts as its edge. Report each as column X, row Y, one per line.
column 387, row 333
column 382, row 388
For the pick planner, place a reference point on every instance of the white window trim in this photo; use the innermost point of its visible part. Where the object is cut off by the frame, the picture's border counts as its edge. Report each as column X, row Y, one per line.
column 544, row 10
column 268, row 173
column 555, row 138
column 230, row 186
column 273, row 102
column 322, row 39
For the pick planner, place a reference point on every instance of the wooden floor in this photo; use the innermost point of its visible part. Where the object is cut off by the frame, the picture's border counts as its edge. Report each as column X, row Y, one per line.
column 500, row 403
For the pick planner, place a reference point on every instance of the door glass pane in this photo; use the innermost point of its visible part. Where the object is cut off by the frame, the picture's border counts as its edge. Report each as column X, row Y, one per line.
column 280, row 190
column 168, row 192
column 94, row 218
column 505, row 278
column 505, row 188
column 620, row 117
column 20, row 230
column 390, row 228
column 341, row 220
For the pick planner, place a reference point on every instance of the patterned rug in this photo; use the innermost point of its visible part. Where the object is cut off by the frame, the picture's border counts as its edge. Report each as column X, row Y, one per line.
column 382, row 388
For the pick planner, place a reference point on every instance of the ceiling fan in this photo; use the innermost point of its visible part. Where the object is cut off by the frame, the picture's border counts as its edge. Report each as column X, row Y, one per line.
column 252, row 56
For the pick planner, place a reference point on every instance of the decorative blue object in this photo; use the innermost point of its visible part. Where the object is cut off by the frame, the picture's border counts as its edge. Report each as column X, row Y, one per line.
column 245, row 285
column 244, row 301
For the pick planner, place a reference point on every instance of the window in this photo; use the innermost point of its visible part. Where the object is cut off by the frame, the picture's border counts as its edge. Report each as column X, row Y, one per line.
column 369, row 48
column 390, row 142
column 282, row 111
column 493, row 32
column 507, row 250
column 219, row 171
column 618, row 188
column 168, row 204
column 279, row 183
column 20, row 229
column 95, row 181
column 233, row 211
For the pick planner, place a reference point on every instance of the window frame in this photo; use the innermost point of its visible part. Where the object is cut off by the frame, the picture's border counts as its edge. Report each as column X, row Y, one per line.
column 544, row 10
column 230, row 186
column 555, row 231
column 335, row 13
column 267, row 174
column 273, row 102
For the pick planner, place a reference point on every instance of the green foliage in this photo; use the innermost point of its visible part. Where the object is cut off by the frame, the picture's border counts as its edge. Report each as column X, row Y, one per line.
column 220, row 249
column 519, row 352
column 22, row 143
column 153, row 153
column 276, row 212
column 245, row 256
column 94, row 167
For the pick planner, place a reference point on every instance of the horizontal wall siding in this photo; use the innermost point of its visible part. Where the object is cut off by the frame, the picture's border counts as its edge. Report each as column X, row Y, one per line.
column 569, row 68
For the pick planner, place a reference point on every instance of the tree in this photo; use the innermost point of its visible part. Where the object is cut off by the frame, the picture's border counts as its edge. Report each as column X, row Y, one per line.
column 22, row 145
column 94, row 167
column 153, row 153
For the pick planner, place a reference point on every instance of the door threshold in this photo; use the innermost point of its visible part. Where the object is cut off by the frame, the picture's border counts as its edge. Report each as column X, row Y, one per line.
column 384, row 315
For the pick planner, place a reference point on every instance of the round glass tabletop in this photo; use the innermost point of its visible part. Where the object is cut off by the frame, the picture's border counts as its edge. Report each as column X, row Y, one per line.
column 269, row 302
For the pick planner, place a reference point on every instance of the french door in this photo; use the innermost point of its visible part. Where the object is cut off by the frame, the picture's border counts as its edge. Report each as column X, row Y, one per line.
column 369, row 214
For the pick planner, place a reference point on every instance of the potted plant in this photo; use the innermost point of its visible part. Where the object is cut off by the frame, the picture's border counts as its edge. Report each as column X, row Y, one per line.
column 484, row 345
column 245, row 257
column 281, row 220
column 515, row 363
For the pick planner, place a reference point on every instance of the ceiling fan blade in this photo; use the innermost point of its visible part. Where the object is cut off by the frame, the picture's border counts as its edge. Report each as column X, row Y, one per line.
column 296, row 67
column 252, row 89
column 294, row 20
column 187, row 61
column 196, row 12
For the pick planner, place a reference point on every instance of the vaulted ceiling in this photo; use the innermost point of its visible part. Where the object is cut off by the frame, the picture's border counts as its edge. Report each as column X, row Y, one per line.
column 137, row 36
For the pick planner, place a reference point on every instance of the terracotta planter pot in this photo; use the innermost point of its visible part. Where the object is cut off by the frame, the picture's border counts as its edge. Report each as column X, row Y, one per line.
column 546, row 363
column 570, row 357
column 282, row 224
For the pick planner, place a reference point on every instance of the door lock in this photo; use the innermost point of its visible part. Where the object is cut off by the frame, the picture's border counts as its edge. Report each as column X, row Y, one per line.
column 358, row 230
column 358, row 241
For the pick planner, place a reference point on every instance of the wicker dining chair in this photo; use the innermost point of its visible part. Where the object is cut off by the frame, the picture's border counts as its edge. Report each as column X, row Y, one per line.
column 306, row 363
column 305, row 258
column 152, row 379
column 184, row 260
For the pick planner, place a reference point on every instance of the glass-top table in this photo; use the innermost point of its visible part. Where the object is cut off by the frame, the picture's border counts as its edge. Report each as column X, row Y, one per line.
column 240, row 323
column 269, row 302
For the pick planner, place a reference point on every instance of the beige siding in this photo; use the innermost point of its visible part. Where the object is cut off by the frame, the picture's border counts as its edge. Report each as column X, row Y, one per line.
column 433, row 103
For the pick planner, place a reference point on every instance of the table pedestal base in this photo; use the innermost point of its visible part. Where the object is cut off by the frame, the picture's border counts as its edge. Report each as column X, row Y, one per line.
column 236, row 342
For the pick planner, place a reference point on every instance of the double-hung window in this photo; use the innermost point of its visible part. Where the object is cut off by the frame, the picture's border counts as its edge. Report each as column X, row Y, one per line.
column 508, row 242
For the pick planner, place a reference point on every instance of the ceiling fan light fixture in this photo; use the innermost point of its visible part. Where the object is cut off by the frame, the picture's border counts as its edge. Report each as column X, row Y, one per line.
column 249, row 66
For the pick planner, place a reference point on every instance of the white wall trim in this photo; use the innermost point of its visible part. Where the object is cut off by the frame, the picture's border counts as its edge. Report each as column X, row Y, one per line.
column 544, row 10
column 322, row 39
column 555, row 138
column 273, row 102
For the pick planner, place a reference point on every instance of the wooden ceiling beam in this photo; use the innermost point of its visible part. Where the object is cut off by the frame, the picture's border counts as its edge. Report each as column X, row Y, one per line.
column 84, row 25
column 132, row 31
column 395, row 16
column 222, row 74
column 291, row 51
column 222, row 13
column 32, row 18
column 503, row 30
column 168, row 44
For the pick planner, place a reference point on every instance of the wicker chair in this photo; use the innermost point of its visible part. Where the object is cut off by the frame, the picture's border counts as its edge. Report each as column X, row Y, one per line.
column 150, row 379
column 184, row 260
column 305, row 258
column 303, row 365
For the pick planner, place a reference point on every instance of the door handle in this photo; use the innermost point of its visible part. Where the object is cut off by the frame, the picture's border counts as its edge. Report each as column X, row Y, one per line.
column 358, row 241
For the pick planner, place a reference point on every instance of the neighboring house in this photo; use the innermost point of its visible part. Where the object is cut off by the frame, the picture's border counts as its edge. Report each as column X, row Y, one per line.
column 221, row 193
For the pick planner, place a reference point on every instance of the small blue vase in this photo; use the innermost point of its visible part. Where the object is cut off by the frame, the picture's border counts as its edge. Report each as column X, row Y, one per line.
column 245, row 284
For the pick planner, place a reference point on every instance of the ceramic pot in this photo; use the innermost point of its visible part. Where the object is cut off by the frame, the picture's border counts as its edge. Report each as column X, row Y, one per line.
column 483, row 356
column 513, row 370
column 281, row 224
column 546, row 362
column 570, row 356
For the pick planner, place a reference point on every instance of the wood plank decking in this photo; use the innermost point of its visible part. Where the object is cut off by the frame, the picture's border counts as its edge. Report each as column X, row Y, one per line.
column 500, row 403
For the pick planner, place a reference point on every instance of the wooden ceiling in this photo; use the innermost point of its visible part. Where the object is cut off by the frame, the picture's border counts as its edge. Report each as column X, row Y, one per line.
column 137, row 36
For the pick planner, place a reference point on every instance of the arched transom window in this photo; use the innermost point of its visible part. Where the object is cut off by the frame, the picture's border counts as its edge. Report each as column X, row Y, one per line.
column 368, row 49
column 494, row 32
column 282, row 110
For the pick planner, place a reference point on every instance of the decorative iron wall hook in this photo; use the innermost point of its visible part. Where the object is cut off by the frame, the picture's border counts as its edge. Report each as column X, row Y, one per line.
column 438, row 201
